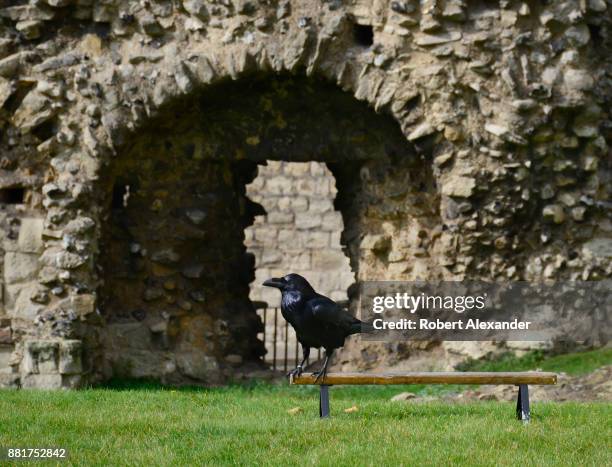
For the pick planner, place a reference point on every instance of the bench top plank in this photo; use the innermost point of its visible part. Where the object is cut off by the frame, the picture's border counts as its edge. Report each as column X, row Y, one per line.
column 442, row 377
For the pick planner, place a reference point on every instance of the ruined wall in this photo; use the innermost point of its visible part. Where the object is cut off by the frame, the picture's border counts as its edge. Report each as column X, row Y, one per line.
column 503, row 171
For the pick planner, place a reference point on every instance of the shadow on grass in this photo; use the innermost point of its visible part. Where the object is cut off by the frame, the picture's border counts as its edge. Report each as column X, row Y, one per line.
column 131, row 384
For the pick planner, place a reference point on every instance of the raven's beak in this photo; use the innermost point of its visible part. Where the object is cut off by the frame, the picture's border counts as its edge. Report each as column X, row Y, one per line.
column 276, row 282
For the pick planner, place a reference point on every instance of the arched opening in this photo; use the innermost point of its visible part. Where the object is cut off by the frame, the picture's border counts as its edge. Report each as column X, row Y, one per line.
column 176, row 270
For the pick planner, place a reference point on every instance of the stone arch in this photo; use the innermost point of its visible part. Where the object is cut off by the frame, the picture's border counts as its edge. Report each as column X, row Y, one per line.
column 174, row 264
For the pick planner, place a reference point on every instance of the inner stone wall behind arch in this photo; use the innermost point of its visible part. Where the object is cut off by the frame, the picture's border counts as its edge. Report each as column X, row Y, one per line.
column 300, row 232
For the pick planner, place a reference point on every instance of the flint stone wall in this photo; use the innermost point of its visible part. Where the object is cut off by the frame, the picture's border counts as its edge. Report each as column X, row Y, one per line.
column 504, row 172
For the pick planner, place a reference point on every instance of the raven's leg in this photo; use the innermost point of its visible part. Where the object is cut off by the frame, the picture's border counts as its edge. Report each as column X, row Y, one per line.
column 323, row 371
column 305, row 353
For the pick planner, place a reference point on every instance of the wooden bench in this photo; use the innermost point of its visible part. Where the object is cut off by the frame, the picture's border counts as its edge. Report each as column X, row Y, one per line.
column 520, row 379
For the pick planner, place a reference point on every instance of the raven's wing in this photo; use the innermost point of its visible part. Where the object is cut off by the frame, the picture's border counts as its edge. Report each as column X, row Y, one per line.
column 328, row 313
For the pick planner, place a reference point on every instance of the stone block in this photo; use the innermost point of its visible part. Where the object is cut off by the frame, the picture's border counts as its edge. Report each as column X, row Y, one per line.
column 309, row 187
column 280, row 217
column 598, row 248
column 283, row 204
column 18, row 301
column 332, row 222
column 329, row 260
column 70, row 361
column 40, row 357
column 335, row 239
column 30, row 235
column 279, row 185
column 289, row 237
column 9, row 380
column 271, row 257
column 320, row 205
column 19, row 267
column 316, row 239
column 197, row 365
column 46, row 381
column 318, row 169
column 248, row 236
column 299, row 204
column 5, row 336
column 6, row 354
column 299, row 261
column 273, row 168
column 459, row 186
column 265, row 235
column 307, row 221
column 83, row 304
column 296, row 169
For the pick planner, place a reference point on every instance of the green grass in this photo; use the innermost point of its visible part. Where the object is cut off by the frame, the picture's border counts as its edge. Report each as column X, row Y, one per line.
column 146, row 424
column 578, row 363
column 251, row 426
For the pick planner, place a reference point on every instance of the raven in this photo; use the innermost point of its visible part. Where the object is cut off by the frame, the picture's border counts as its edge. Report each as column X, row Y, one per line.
column 318, row 321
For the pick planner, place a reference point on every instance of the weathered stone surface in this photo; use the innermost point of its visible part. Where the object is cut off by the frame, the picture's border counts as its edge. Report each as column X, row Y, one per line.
column 5, row 336
column 46, row 381
column 599, row 248
column 424, row 129
column 68, row 260
column 459, row 186
column 30, row 236
column 6, row 354
column 41, row 357
column 18, row 300
column 431, row 39
column 487, row 161
column 19, row 267
column 196, row 365
column 403, row 396
column 7, row 89
column 554, row 212
column 29, row 29
column 290, row 219
column 70, row 357
column 9, row 380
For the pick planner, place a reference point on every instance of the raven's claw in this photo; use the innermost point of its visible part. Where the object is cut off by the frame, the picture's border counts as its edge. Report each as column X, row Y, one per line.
column 319, row 374
column 297, row 371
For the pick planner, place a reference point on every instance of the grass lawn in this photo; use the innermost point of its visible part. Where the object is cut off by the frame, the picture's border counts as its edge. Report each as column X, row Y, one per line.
column 151, row 425
column 578, row 363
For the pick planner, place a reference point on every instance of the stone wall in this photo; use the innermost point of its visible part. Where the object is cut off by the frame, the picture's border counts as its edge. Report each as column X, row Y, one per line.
column 468, row 139
column 300, row 231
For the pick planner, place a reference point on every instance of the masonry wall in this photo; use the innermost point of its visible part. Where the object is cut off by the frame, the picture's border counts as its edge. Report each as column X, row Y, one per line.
column 469, row 140
column 300, row 231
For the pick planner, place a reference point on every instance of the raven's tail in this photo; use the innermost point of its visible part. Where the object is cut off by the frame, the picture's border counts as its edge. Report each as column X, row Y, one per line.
column 362, row 326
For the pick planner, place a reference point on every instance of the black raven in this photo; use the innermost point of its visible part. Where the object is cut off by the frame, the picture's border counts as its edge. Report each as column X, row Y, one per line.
column 318, row 321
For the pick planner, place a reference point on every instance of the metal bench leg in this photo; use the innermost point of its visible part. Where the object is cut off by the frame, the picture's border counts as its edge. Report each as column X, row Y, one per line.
column 324, row 401
column 522, row 404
